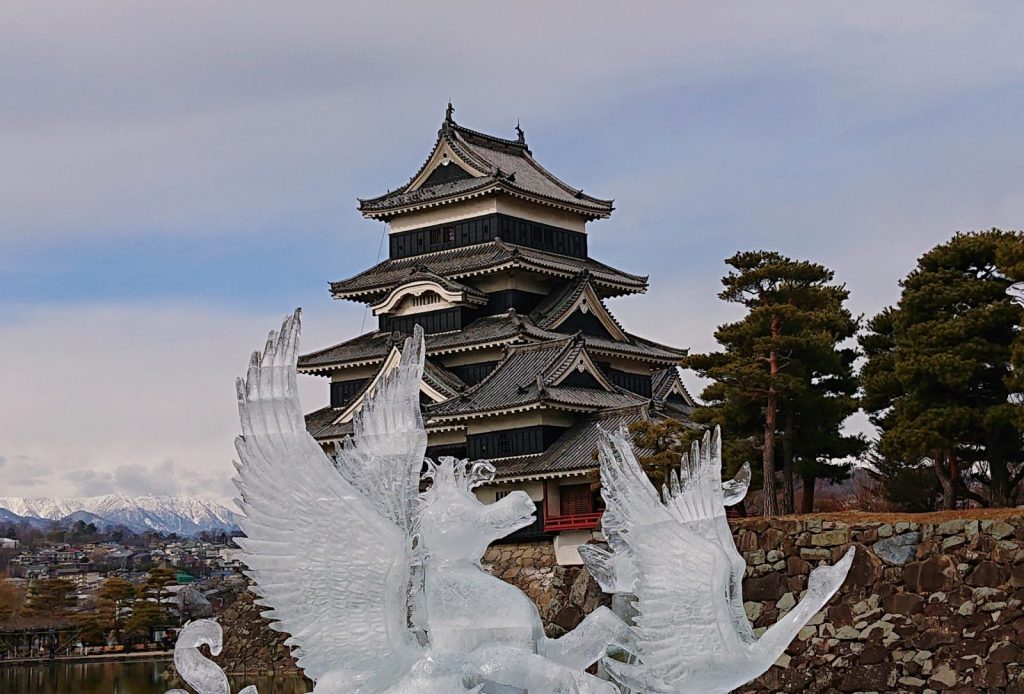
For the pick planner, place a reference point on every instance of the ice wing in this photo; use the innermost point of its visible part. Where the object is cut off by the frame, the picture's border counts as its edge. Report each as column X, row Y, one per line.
column 333, row 570
column 735, row 490
column 681, row 623
column 696, row 499
column 383, row 458
column 630, row 502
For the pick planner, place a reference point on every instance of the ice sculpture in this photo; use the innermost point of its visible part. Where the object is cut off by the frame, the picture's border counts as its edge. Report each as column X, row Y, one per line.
column 379, row 585
column 676, row 554
column 193, row 667
column 330, row 545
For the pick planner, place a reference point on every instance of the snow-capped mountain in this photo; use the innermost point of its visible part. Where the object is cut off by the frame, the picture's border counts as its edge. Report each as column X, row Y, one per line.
column 11, row 517
column 165, row 514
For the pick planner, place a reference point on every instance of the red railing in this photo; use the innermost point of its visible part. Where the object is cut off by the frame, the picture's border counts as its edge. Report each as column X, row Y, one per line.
column 576, row 521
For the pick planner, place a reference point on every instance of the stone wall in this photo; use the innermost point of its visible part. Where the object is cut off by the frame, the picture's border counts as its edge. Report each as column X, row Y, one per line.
column 563, row 594
column 932, row 603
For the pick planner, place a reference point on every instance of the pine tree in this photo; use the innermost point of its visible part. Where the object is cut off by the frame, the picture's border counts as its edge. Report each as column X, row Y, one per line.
column 780, row 366
column 156, row 584
column 114, row 595
column 666, row 440
column 12, row 600
column 51, row 597
column 939, row 383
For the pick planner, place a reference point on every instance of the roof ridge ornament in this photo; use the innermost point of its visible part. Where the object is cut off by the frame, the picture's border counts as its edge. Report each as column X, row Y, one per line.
column 520, row 135
column 449, row 114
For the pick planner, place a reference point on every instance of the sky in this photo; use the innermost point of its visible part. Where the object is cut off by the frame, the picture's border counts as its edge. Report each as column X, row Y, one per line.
column 176, row 177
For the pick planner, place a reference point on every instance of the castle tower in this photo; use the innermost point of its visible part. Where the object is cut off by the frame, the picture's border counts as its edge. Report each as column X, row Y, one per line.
column 488, row 253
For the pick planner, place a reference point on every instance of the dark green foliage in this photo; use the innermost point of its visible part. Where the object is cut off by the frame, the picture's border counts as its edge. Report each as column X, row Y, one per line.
column 913, row 488
column 666, row 440
column 938, row 381
column 51, row 597
column 782, row 373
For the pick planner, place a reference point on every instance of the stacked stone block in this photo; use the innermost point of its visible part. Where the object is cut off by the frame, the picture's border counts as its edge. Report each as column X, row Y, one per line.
column 931, row 604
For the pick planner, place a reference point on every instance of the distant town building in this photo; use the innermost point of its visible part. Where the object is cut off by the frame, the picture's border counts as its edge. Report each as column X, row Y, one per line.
column 488, row 252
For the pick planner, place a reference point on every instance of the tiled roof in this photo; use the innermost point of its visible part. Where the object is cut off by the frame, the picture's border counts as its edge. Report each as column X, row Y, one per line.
column 522, row 379
column 422, row 274
column 573, row 450
column 321, row 427
column 442, row 380
column 503, row 165
column 320, row 424
column 639, row 348
column 504, row 328
column 661, row 387
column 482, row 259
column 376, row 345
column 370, row 347
column 557, row 303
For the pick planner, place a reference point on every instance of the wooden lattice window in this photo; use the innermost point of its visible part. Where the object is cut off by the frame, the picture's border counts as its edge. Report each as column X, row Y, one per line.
column 575, row 499
column 503, row 445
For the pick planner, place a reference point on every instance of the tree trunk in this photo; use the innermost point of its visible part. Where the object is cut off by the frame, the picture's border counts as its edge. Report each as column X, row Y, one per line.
column 807, row 500
column 1000, row 492
column 771, row 502
column 788, row 495
column 948, row 472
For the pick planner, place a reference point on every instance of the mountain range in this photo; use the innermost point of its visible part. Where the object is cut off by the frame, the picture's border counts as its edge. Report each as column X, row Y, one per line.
column 163, row 514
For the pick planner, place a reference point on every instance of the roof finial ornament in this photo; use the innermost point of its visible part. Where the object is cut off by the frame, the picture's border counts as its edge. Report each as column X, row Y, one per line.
column 520, row 133
column 449, row 113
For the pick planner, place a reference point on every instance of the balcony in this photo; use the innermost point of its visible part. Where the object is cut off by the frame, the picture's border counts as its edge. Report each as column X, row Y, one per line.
column 575, row 521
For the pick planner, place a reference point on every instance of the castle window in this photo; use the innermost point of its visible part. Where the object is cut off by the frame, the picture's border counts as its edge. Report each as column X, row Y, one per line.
column 435, row 237
column 575, row 499
column 501, row 494
column 449, row 234
column 425, row 299
column 503, row 446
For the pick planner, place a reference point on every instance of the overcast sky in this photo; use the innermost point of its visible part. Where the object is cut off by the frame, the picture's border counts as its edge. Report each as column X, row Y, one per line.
column 176, row 177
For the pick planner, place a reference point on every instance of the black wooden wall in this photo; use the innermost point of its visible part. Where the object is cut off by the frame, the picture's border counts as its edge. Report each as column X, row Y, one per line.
column 469, row 232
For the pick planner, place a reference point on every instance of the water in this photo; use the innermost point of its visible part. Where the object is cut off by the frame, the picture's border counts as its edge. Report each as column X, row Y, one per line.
column 137, row 677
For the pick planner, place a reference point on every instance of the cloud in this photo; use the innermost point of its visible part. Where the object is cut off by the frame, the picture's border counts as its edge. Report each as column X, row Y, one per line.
column 163, row 478
column 136, row 399
column 22, row 471
column 177, row 176
column 199, row 119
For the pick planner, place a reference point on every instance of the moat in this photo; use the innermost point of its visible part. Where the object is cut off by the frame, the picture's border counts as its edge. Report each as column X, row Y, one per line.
column 140, row 677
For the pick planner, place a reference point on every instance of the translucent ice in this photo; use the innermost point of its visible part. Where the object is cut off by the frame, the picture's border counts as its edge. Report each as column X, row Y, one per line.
column 330, row 546
column 692, row 633
column 199, row 672
column 379, row 584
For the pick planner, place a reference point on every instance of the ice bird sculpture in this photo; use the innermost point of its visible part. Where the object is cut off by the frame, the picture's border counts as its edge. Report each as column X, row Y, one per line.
column 676, row 554
column 330, row 546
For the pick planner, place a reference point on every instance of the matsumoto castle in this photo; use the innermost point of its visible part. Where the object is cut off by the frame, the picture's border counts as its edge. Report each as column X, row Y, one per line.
column 488, row 253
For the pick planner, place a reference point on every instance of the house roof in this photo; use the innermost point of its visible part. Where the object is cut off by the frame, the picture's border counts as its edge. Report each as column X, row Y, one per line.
column 320, row 424
column 420, row 281
column 323, row 424
column 574, row 450
column 580, row 294
column 536, row 375
column 374, row 346
column 483, row 259
column 666, row 382
column 489, row 331
column 484, row 165
column 442, row 380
